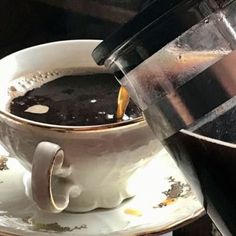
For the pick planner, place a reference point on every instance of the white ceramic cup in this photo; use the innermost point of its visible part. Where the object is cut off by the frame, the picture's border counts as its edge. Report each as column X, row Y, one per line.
column 76, row 168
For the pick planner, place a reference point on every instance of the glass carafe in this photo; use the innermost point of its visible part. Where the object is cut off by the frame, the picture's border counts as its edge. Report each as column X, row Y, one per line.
column 177, row 60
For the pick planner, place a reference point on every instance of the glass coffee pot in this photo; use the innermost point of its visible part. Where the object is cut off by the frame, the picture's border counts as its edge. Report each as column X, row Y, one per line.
column 176, row 59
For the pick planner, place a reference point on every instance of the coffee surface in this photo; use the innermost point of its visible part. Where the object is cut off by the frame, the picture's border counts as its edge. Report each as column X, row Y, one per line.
column 74, row 100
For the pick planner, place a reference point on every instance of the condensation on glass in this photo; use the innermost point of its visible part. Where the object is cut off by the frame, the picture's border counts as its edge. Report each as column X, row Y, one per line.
column 158, row 84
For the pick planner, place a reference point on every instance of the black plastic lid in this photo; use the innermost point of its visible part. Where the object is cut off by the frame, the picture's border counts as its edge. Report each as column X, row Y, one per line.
column 156, row 10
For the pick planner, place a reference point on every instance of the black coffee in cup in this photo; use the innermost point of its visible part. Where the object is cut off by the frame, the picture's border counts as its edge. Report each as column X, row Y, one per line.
column 73, row 100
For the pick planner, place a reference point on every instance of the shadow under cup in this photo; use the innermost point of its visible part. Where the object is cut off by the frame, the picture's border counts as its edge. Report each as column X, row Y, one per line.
column 78, row 168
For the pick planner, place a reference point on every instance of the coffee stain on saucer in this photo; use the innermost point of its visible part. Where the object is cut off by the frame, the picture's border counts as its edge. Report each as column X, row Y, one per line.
column 3, row 163
column 166, row 202
column 133, row 212
column 177, row 190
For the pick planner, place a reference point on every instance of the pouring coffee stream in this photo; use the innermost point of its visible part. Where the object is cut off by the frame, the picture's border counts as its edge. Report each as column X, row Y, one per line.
column 122, row 102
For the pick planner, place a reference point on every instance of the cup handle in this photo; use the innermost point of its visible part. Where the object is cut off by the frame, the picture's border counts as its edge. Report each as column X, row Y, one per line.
column 50, row 187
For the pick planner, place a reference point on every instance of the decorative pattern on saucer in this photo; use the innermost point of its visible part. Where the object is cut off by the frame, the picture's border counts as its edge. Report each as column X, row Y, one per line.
column 176, row 190
column 3, row 163
column 155, row 209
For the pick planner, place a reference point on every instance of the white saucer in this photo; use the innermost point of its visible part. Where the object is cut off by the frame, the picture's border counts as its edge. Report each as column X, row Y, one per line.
column 142, row 214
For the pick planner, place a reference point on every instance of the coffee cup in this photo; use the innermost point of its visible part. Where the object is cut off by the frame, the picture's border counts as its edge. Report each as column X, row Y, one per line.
column 74, row 168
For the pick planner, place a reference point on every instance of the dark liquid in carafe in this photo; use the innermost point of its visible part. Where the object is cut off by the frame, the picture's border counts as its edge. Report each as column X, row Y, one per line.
column 208, row 164
column 214, row 165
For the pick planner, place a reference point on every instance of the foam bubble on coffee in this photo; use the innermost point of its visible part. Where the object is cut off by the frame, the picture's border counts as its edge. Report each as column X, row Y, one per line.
column 21, row 85
column 38, row 109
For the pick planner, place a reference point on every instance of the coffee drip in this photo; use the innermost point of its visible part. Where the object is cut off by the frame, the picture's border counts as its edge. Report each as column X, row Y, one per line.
column 122, row 103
